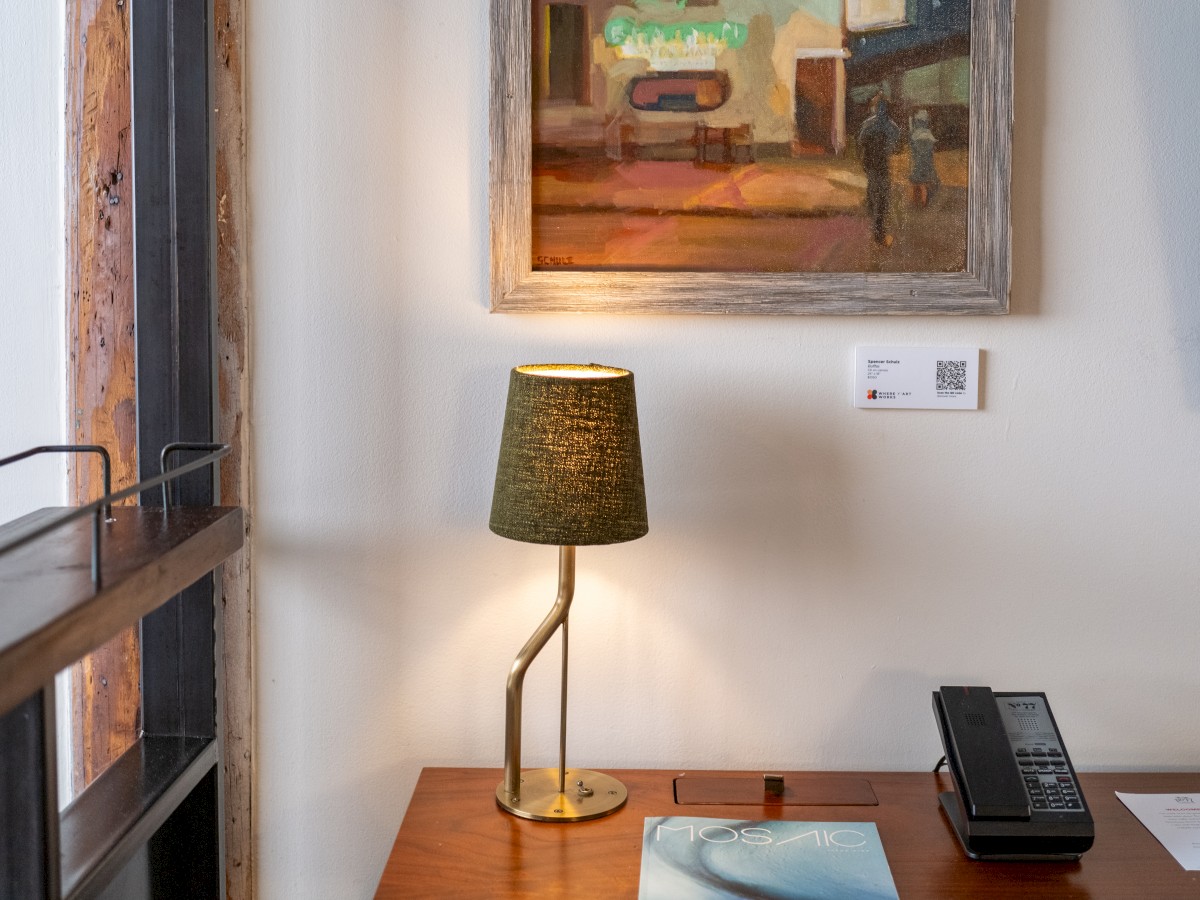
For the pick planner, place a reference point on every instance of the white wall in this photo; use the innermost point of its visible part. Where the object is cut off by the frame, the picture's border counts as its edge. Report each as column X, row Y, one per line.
column 812, row 571
column 32, row 342
column 32, row 303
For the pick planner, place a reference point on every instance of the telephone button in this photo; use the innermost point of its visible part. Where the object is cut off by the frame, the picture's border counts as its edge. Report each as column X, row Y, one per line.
column 1022, row 751
column 1063, row 779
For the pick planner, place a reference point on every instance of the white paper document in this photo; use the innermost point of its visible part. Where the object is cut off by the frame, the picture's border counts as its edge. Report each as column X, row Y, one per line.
column 916, row 377
column 1172, row 818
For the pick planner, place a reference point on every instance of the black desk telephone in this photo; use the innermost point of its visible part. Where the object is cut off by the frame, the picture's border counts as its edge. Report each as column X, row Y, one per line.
column 1017, row 796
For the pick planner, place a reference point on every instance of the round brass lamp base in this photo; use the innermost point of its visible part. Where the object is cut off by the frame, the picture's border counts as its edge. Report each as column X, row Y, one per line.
column 588, row 795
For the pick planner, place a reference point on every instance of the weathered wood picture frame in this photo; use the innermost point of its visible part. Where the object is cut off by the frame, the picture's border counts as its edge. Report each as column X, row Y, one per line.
column 981, row 286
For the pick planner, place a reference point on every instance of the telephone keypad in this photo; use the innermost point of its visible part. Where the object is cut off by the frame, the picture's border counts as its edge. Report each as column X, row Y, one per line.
column 1056, row 792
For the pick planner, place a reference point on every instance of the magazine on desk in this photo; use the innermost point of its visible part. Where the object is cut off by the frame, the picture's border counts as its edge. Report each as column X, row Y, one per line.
column 687, row 858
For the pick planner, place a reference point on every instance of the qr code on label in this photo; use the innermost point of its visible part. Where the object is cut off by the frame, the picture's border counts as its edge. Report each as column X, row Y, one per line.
column 951, row 375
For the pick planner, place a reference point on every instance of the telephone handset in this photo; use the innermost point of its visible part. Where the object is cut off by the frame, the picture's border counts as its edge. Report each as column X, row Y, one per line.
column 1017, row 795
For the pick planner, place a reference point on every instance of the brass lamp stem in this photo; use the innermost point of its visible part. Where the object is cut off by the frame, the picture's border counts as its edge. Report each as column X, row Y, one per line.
column 562, row 715
column 542, row 794
column 516, row 675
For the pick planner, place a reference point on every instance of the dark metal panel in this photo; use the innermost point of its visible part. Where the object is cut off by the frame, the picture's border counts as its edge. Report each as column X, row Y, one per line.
column 173, row 233
column 174, row 264
column 185, row 857
column 179, row 665
column 154, row 229
column 29, row 799
column 194, row 171
column 173, row 242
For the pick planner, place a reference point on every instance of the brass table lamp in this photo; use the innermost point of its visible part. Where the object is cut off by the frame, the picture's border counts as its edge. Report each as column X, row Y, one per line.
column 570, row 473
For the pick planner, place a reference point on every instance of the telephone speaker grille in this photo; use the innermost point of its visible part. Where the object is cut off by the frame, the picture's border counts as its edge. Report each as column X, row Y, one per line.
column 976, row 719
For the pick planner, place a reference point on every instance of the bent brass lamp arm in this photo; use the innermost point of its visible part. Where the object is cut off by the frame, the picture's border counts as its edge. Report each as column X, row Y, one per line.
column 516, row 676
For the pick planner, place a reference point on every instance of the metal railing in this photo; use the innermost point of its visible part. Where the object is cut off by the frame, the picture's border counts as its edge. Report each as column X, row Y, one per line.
column 101, row 509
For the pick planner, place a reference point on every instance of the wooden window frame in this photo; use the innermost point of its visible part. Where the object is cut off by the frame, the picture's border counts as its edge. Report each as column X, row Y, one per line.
column 152, row 824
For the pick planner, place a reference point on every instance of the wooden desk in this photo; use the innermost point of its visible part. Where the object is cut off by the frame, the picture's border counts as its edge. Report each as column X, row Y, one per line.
column 455, row 842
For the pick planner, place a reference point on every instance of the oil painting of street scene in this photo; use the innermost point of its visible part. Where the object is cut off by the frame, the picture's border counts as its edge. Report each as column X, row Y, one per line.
column 750, row 135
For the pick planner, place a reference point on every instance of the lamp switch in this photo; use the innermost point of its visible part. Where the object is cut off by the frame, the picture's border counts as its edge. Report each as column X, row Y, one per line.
column 773, row 785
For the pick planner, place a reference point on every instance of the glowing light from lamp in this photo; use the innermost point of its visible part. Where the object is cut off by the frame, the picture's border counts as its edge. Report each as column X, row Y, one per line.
column 571, row 370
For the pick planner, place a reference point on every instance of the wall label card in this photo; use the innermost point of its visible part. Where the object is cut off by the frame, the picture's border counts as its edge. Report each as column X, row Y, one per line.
column 916, row 377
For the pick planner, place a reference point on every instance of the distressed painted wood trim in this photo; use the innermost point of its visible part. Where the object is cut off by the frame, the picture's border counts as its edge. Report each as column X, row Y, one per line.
column 101, row 340
column 982, row 289
column 233, row 389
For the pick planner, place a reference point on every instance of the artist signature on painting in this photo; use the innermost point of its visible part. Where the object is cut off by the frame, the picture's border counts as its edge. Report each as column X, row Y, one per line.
column 554, row 261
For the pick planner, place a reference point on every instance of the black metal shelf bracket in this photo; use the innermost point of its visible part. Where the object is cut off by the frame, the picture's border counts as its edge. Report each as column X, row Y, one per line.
column 181, row 447
column 102, row 514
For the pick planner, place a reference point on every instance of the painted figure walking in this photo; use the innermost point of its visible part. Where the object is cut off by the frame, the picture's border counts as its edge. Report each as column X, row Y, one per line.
column 877, row 141
column 922, row 175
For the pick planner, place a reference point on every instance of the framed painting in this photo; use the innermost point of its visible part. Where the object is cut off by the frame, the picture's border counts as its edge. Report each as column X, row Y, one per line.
column 751, row 156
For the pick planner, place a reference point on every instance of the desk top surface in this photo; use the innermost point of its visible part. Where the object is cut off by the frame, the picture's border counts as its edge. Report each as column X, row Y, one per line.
column 455, row 841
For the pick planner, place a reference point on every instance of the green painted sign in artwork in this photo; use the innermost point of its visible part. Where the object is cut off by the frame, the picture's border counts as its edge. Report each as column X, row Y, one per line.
column 621, row 30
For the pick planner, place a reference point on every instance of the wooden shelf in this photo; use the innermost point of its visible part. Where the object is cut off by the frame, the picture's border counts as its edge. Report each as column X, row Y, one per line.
column 50, row 612
column 106, row 825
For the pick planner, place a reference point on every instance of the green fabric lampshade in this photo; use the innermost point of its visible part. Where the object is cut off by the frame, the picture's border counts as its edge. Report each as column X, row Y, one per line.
column 570, row 470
